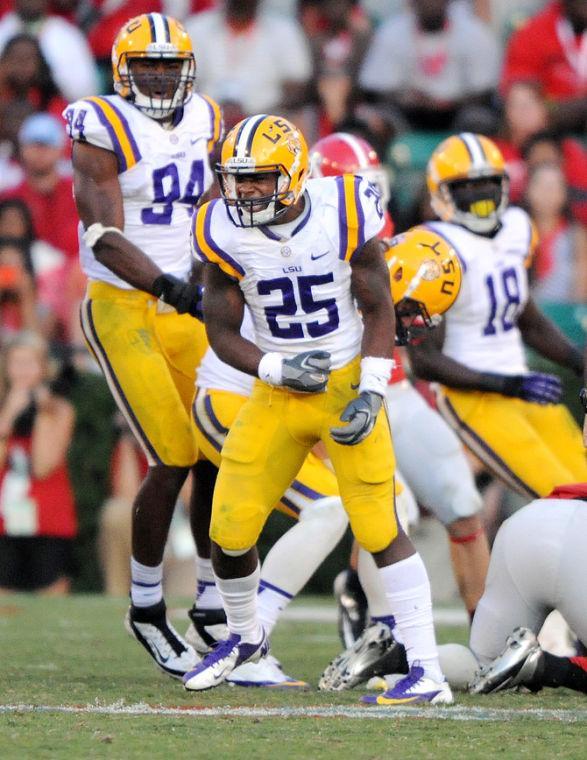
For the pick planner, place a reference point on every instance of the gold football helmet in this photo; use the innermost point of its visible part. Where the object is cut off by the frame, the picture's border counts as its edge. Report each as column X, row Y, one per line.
column 425, row 275
column 263, row 144
column 468, row 183
column 154, row 89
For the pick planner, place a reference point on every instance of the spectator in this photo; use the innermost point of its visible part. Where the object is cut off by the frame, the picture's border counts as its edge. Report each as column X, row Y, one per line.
column 264, row 57
column 24, row 74
column 525, row 114
column 339, row 33
column 571, row 156
column 560, row 262
column 12, row 115
column 18, row 304
column 550, row 50
column 429, row 63
column 37, row 511
column 65, row 48
column 45, row 189
column 47, row 265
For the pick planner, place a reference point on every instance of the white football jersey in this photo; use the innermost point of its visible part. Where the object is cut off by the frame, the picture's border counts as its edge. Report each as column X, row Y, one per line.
column 481, row 330
column 162, row 174
column 214, row 374
column 298, row 285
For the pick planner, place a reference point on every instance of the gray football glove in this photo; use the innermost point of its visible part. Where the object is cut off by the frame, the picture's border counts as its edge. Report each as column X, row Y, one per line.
column 307, row 372
column 361, row 414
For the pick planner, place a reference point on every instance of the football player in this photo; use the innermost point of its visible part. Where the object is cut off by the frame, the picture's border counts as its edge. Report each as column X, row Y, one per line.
column 445, row 485
column 509, row 417
column 141, row 161
column 301, row 255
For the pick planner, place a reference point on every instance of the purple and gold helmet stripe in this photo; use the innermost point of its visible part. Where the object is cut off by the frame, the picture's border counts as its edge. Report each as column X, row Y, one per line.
column 159, row 27
column 206, row 247
column 123, row 142
column 474, row 149
column 216, row 125
column 246, row 135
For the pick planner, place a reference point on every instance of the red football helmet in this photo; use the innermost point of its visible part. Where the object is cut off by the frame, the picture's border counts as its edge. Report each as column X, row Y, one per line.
column 344, row 153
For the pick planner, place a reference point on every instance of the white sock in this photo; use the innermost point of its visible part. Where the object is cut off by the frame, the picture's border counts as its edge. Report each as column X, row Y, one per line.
column 295, row 557
column 207, row 596
column 371, row 582
column 408, row 592
column 239, row 599
column 271, row 601
column 146, row 588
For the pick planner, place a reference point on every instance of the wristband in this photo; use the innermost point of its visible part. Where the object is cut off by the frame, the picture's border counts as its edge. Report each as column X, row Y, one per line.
column 270, row 368
column 375, row 374
column 96, row 231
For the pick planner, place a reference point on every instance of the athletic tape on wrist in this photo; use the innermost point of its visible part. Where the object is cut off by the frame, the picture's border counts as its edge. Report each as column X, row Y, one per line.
column 375, row 374
column 270, row 368
column 96, row 231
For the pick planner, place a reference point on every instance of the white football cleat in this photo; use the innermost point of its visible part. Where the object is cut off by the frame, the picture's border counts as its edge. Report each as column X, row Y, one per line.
column 267, row 672
column 206, row 629
column 375, row 652
column 515, row 666
column 222, row 660
column 414, row 689
column 151, row 628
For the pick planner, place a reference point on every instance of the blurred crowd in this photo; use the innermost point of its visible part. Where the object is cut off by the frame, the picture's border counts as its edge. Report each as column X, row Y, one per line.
column 401, row 73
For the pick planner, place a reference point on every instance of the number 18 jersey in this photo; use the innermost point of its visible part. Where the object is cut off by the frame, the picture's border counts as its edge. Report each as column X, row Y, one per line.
column 296, row 278
column 162, row 173
column 481, row 330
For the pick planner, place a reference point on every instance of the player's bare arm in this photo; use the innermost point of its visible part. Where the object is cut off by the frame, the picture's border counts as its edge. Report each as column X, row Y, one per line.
column 543, row 336
column 99, row 201
column 224, row 306
column 370, row 286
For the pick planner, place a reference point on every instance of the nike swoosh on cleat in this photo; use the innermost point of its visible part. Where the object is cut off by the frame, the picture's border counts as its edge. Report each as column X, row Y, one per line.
column 320, row 256
column 158, row 653
column 354, row 386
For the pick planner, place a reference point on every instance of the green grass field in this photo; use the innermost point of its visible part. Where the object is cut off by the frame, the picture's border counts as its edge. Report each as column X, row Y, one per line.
column 74, row 685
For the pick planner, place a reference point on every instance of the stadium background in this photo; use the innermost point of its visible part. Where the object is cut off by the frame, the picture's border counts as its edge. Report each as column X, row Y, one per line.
column 334, row 47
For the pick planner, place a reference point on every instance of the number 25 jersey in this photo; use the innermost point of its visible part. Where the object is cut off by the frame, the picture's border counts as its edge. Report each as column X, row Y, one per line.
column 296, row 278
column 481, row 330
column 162, row 173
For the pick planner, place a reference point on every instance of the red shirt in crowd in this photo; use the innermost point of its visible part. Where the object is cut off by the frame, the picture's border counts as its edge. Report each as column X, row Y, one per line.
column 54, row 215
column 546, row 50
column 50, row 497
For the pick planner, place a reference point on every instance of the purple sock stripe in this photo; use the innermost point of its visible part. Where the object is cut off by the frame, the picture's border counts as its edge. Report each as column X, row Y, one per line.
column 145, row 585
column 266, row 585
column 94, row 341
column 483, row 450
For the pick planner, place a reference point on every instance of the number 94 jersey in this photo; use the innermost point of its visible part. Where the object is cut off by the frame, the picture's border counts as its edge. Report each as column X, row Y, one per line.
column 162, row 173
column 481, row 326
column 296, row 278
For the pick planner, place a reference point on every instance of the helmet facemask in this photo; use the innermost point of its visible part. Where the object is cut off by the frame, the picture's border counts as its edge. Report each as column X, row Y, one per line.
column 260, row 210
column 476, row 203
column 158, row 94
column 411, row 318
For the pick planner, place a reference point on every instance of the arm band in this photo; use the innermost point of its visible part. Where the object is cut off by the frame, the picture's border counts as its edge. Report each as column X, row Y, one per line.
column 96, row 231
column 269, row 370
column 375, row 374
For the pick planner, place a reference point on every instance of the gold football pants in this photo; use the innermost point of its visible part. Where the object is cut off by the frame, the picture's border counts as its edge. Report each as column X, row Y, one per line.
column 267, row 445
column 149, row 354
column 530, row 447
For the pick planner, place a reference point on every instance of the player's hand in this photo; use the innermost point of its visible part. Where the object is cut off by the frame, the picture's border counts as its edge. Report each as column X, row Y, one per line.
column 185, row 297
column 538, row 387
column 307, row 372
column 361, row 415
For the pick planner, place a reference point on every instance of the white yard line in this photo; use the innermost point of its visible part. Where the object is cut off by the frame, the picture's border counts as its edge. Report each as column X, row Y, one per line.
column 460, row 713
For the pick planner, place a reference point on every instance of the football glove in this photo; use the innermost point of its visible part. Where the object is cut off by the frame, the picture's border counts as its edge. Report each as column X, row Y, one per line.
column 307, row 372
column 538, row 387
column 361, row 415
column 185, row 297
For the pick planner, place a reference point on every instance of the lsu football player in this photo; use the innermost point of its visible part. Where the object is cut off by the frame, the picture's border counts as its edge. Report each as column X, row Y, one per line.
column 141, row 161
column 301, row 254
column 446, row 485
column 508, row 416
